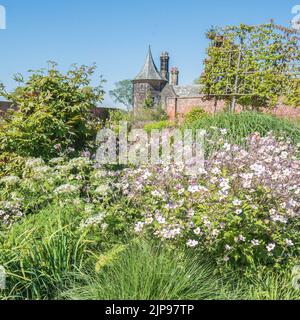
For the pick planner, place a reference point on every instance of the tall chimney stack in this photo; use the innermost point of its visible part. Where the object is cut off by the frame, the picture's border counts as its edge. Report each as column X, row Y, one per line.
column 164, row 65
column 174, row 76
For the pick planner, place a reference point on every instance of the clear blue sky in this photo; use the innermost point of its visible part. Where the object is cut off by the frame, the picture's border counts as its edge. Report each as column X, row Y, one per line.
column 116, row 33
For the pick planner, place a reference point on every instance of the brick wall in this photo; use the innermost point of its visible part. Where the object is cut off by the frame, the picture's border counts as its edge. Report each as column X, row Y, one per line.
column 181, row 106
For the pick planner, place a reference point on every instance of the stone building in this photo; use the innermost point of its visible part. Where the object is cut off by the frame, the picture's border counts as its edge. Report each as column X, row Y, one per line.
column 163, row 87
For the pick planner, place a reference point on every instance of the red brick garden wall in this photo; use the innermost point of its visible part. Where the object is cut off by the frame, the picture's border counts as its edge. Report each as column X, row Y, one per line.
column 181, row 106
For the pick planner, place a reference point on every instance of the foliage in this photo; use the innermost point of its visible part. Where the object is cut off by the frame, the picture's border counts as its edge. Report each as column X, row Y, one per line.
column 149, row 272
column 292, row 98
column 251, row 65
column 196, row 114
column 149, row 101
column 160, row 125
column 41, row 253
column 244, row 208
column 116, row 117
column 240, row 126
column 11, row 163
column 72, row 229
column 149, row 115
column 54, row 113
column 68, row 182
column 123, row 93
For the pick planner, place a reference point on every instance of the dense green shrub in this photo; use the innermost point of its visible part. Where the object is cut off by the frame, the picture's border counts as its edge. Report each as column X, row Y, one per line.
column 148, row 115
column 53, row 113
column 194, row 115
column 160, row 125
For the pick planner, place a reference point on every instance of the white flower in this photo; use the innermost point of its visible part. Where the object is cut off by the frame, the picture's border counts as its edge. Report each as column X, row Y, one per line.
column 271, row 246
column 102, row 190
column 66, row 189
column 255, row 242
column 160, row 219
column 239, row 212
column 147, row 174
column 156, row 193
column 192, row 243
column 227, row 146
column 227, row 247
column 279, row 218
column 194, row 189
column 237, row 202
column 104, row 226
column 10, row 180
column 284, row 155
column 93, row 221
column 216, row 171
column 198, row 231
column 289, row 243
column 190, row 213
column 139, row 227
column 223, row 132
column 149, row 220
column 242, row 238
column 258, row 169
column 225, row 184
column 215, row 233
column 226, row 259
column 181, row 191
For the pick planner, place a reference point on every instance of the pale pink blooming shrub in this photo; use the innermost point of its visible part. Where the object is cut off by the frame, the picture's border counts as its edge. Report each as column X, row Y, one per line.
column 244, row 208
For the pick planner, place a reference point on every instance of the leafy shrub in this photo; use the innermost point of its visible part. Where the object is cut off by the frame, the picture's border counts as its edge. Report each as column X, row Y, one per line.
column 11, row 164
column 53, row 113
column 194, row 115
column 153, row 114
column 160, row 125
column 244, row 208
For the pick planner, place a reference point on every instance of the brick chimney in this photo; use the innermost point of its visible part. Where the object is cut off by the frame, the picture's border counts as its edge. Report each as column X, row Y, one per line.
column 174, row 76
column 164, row 65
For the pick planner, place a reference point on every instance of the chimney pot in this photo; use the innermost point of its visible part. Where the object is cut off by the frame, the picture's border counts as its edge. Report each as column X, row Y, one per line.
column 174, row 76
column 164, row 65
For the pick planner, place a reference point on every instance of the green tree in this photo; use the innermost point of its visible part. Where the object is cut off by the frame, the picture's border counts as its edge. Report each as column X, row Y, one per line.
column 54, row 112
column 123, row 93
column 251, row 65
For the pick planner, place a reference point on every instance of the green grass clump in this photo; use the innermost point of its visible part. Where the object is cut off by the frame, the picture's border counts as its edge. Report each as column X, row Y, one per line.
column 41, row 253
column 148, row 272
column 242, row 125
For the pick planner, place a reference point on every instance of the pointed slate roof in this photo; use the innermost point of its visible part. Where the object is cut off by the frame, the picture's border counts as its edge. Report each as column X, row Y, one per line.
column 149, row 71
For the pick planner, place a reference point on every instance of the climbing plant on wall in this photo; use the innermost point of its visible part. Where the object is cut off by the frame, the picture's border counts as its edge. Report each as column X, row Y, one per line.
column 254, row 66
